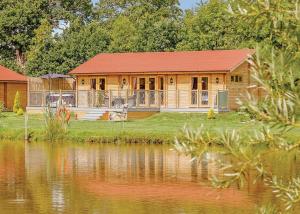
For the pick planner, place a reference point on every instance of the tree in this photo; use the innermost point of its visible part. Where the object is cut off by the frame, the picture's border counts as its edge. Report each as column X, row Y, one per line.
column 75, row 46
column 123, row 35
column 18, row 21
column 156, row 23
column 41, row 44
column 281, row 30
column 211, row 27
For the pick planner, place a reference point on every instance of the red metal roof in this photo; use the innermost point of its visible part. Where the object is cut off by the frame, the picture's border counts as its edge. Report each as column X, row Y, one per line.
column 187, row 61
column 7, row 75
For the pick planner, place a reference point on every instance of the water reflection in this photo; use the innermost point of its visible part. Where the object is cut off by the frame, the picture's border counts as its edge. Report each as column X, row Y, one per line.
column 70, row 178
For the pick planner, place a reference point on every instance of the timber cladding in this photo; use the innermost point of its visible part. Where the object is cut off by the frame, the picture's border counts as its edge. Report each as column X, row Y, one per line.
column 8, row 91
column 237, row 83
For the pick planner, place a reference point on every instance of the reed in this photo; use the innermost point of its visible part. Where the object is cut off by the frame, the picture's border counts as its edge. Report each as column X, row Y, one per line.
column 56, row 124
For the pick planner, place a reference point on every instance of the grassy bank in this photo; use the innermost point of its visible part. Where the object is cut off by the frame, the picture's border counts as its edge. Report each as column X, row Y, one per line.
column 160, row 128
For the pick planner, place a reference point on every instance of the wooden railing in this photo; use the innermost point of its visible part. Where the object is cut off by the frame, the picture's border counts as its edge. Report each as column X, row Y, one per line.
column 133, row 98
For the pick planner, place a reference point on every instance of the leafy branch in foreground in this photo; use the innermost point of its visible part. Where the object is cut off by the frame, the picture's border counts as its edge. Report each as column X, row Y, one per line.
column 289, row 193
column 277, row 112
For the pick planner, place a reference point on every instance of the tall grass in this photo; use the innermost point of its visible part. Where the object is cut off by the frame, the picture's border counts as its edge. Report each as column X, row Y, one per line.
column 56, row 124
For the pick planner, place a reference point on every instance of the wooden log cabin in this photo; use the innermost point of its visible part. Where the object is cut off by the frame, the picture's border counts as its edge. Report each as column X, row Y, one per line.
column 169, row 81
column 10, row 83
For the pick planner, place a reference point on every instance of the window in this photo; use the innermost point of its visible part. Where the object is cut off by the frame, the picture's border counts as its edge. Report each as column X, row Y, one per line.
column 232, row 78
column 152, row 84
column 195, row 83
column 204, row 83
column 237, row 78
column 161, row 83
column 102, row 84
column 142, row 83
column 93, row 84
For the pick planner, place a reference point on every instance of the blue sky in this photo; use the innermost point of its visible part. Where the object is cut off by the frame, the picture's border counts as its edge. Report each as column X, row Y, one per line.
column 185, row 4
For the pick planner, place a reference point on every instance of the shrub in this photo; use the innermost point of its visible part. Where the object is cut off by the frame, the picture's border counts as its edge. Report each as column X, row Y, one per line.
column 17, row 102
column 20, row 112
column 211, row 114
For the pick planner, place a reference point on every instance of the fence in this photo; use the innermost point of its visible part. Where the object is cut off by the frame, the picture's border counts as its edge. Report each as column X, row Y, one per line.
column 52, row 98
column 133, row 98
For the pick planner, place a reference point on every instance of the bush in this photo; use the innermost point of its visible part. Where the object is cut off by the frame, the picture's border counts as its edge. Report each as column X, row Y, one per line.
column 20, row 112
column 211, row 114
column 17, row 102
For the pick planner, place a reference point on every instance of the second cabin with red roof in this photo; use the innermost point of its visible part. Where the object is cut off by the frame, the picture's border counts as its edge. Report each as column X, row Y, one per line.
column 168, row 81
column 10, row 83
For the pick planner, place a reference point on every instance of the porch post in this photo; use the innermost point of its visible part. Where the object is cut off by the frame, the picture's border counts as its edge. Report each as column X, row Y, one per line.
column 217, row 97
column 126, row 97
column 28, row 92
column 76, row 102
column 198, row 97
column 148, row 100
column 109, row 99
column 43, row 98
column 177, row 98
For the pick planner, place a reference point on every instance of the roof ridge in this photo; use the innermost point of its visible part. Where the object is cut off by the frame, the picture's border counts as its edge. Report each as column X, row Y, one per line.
column 162, row 52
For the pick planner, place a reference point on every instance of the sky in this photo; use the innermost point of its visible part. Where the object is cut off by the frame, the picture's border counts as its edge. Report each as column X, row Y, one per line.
column 185, row 4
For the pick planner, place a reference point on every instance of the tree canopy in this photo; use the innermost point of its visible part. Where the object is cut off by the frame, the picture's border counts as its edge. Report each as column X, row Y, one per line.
column 38, row 37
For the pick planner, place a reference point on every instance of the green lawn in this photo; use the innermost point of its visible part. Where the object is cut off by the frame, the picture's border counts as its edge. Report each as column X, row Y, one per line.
column 158, row 128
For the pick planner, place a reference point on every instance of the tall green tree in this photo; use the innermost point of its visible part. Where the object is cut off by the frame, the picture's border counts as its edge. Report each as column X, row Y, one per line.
column 41, row 44
column 18, row 21
column 76, row 45
column 123, row 35
column 156, row 22
column 278, row 18
column 211, row 27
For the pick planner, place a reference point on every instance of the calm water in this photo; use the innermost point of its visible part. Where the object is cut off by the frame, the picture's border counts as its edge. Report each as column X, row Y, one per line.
column 69, row 178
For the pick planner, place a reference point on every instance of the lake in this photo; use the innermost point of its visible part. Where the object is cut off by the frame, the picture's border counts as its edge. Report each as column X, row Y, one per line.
column 105, row 178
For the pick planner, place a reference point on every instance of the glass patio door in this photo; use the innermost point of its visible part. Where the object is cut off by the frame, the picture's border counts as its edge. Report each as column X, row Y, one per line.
column 199, row 91
column 194, row 92
column 204, row 93
column 146, row 91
